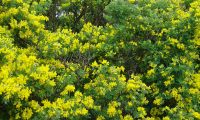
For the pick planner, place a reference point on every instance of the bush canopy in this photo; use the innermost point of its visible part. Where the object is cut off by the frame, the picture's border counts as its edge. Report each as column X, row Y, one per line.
column 99, row 59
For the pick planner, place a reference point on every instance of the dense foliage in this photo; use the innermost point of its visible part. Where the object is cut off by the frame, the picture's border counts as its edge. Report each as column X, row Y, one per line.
column 100, row 59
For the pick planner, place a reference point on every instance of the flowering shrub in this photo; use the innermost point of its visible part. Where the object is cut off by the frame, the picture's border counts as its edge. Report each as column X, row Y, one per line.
column 118, row 59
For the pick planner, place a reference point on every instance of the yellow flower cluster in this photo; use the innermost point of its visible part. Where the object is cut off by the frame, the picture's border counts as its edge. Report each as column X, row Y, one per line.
column 111, row 111
column 68, row 89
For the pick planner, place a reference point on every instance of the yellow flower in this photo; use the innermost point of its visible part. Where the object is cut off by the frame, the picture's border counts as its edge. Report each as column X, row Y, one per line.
column 166, row 118
column 122, row 78
column 84, row 48
column 95, row 64
column 51, row 113
column 128, row 117
column 27, row 113
column 122, row 44
column 34, row 104
column 181, row 46
column 66, row 114
column 43, row 69
column 153, row 65
column 17, row 116
column 75, row 44
column 84, row 111
column 111, row 111
column 150, row 72
column 13, row 11
column 111, row 85
column 68, row 88
column 173, row 41
column 52, row 83
column 122, row 68
column 157, row 101
column 88, row 27
column 25, row 93
column 46, row 103
column 193, row 91
column 78, row 94
column 19, row 1
column 96, row 33
column 133, row 43
column 168, row 82
column 142, row 111
column 86, row 86
column 149, row 118
column 174, row 93
column 13, row 23
column 196, row 115
column 81, row 111
column 132, row 86
column 130, row 104
column 100, row 118
column 18, row 105
column 105, row 62
column 88, row 102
